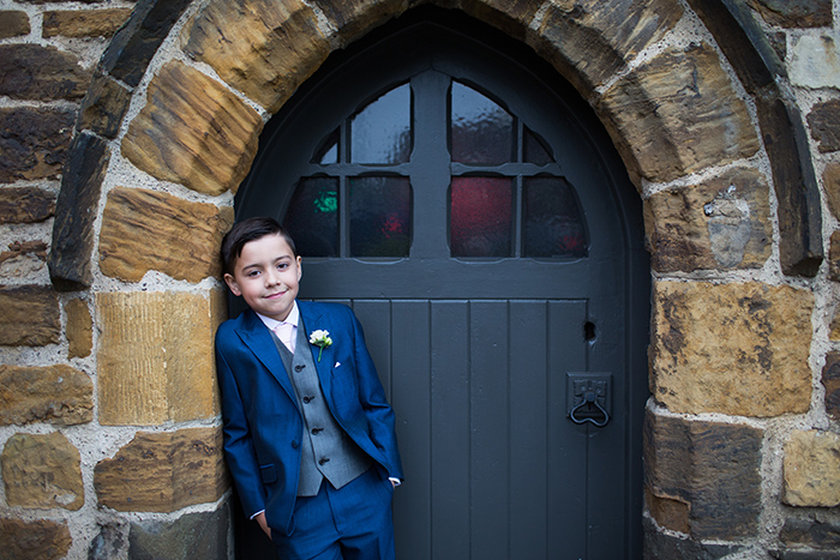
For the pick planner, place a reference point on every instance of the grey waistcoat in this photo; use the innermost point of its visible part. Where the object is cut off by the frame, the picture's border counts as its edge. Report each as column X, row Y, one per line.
column 326, row 451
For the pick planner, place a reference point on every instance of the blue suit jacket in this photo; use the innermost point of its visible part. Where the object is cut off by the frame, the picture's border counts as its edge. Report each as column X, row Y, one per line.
column 263, row 425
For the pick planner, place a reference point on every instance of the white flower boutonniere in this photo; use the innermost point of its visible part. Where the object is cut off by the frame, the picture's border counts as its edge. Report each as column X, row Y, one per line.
column 321, row 339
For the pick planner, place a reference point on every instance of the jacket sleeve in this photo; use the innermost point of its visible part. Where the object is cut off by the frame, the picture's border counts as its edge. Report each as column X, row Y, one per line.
column 380, row 415
column 239, row 448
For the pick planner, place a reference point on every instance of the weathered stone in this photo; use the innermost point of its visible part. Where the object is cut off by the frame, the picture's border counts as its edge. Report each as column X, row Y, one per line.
column 155, row 356
column 824, row 120
column 30, row 540
column 42, row 471
column 13, row 23
column 831, row 382
column 263, row 48
column 749, row 357
column 79, row 328
column 354, row 18
column 812, row 531
column 133, row 46
column 195, row 535
column 111, row 542
column 723, row 223
column 33, row 142
column 163, row 471
column 104, row 106
column 25, row 205
column 812, row 469
column 511, row 17
column 76, row 211
column 677, row 114
column 831, row 185
column 193, row 131
column 23, row 262
column 662, row 546
column 57, row 394
column 712, row 467
column 815, row 60
column 786, row 554
column 670, row 512
column 834, row 257
column 795, row 184
column 834, row 333
column 84, row 23
column 590, row 41
column 29, row 316
column 34, row 72
column 794, row 13
column 138, row 223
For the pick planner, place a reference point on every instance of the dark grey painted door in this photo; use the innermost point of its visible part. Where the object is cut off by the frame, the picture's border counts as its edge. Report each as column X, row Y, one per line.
column 443, row 183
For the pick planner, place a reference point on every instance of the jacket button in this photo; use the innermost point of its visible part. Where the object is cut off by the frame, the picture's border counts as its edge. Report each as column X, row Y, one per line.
column 295, row 444
column 299, row 367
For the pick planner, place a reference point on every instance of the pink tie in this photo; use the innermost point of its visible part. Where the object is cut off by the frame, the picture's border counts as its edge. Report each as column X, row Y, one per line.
column 285, row 332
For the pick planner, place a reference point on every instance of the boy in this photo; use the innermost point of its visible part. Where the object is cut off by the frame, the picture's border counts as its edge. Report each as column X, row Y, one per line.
column 309, row 437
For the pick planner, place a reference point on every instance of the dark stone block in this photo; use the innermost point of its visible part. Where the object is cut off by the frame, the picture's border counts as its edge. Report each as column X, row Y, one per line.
column 25, row 205
column 33, row 142
column 134, row 45
column 29, row 316
column 43, row 73
column 109, row 542
column 193, row 536
column 104, row 106
column 812, row 531
column 712, row 467
column 794, row 13
column 659, row 546
column 824, row 120
column 805, row 555
column 13, row 23
column 831, row 381
column 81, row 185
column 800, row 220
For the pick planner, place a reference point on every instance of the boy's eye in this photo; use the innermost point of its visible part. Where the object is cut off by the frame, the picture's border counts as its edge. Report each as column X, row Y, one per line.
column 282, row 266
column 253, row 273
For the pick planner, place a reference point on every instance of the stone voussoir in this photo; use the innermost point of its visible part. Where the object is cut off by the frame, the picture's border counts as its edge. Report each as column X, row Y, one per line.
column 155, row 357
column 163, row 471
column 193, row 131
column 137, row 224
column 748, row 358
column 57, row 394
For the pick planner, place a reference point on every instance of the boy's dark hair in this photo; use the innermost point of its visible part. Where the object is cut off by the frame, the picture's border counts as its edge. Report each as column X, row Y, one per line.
column 248, row 230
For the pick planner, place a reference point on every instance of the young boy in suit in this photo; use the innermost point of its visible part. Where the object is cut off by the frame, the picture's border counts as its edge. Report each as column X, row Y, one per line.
column 308, row 434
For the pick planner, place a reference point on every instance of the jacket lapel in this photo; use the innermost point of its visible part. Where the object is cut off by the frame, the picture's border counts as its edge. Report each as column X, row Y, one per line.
column 258, row 339
column 312, row 321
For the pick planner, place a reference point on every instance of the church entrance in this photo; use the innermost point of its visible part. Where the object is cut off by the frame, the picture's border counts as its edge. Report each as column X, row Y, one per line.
column 447, row 185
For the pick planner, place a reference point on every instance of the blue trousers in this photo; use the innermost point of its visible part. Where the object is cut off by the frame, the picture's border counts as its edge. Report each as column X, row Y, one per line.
column 352, row 523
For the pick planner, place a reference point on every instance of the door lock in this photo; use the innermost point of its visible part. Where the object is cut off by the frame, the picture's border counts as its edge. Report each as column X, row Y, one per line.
column 588, row 397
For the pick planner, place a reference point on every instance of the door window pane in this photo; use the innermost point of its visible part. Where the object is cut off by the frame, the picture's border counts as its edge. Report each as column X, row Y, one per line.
column 381, row 131
column 553, row 220
column 312, row 217
column 481, row 130
column 535, row 150
column 480, row 214
column 380, row 216
column 327, row 152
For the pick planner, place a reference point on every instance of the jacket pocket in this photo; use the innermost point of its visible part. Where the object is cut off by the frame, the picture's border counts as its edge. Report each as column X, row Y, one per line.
column 268, row 474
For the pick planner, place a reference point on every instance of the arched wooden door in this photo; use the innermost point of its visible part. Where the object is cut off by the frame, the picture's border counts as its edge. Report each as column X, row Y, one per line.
column 467, row 205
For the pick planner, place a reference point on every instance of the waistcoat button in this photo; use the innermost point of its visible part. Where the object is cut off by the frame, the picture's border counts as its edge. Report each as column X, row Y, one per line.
column 299, row 367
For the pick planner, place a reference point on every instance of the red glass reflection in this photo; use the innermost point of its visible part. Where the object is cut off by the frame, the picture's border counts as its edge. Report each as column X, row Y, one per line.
column 481, row 210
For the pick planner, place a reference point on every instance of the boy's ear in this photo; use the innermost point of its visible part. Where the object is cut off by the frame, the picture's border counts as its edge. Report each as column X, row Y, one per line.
column 231, row 283
column 299, row 269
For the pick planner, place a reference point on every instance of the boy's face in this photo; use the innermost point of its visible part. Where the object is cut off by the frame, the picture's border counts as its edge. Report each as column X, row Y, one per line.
column 266, row 275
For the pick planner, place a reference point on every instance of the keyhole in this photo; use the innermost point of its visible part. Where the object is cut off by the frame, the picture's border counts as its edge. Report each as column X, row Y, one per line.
column 589, row 331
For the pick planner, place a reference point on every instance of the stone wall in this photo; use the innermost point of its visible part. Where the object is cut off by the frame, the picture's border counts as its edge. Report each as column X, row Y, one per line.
column 119, row 159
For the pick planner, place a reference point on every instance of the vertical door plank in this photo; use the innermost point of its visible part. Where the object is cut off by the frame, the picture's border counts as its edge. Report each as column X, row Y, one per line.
column 489, row 419
column 410, row 345
column 375, row 317
column 450, row 488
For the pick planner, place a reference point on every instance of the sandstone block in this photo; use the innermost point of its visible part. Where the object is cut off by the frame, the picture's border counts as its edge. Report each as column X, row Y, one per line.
column 812, row 469
column 57, row 394
column 353, row 18
column 28, row 540
column 831, row 382
column 711, row 467
column 33, row 142
column 815, row 60
column 263, row 48
column 79, row 328
column 84, row 23
column 104, row 106
column 29, row 316
column 42, row 471
column 834, row 257
column 44, row 73
column 25, row 205
column 824, row 120
column 831, row 184
column 663, row 546
column 594, row 39
column 13, row 23
column 834, row 333
column 110, row 542
column 195, row 535
column 193, row 131
column 794, row 13
column 144, row 230
column 723, row 223
column 678, row 114
column 748, row 358
column 155, row 356
column 23, row 261
column 163, row 471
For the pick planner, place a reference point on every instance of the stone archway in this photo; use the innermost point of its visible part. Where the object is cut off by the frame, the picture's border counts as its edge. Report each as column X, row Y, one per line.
column 693, row 128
